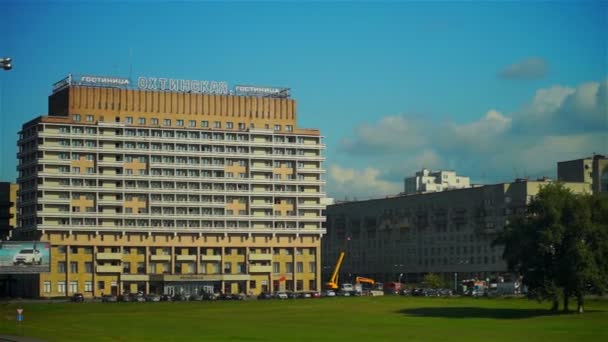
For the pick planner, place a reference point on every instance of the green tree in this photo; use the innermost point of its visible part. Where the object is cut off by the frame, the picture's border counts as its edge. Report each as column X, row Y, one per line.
column 433, row 281
column 560, row 246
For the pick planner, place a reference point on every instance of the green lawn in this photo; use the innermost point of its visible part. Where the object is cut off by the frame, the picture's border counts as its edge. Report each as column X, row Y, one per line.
column 327, row 319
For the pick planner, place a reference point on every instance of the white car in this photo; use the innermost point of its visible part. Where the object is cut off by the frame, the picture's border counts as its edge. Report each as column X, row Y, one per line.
column 329, row 293
column 28, row 256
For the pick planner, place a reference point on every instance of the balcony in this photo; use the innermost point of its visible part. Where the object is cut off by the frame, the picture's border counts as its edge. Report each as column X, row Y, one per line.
column 109, row 269
column 260, row 257
column 211, row 257
column 160, row 257
column 109, row 256
column 186, row 257
column 260, row 269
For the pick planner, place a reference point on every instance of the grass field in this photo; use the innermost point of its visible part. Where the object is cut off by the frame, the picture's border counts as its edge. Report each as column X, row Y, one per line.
column 327, row 319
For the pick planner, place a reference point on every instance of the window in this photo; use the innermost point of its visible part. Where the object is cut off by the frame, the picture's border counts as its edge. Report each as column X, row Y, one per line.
column 61, row 286
column 204, row 123
column 289, row 128
column 227, row 267
column 229, row 125
column 277, row 127
column 252, row 284
column 312, row 267
column 90, row 170
column 101, row 285
column 73, row 286
column 155, row 121
column 276, row 267
column 242, row 125
column 47, row 287
column 88, row 286
column 289, row 267
column 142, row 121
column 167, row 122
column 73, row 267
column 61, row 267
column 179, row 123
column 76, row 117
column 88, row 267
column 300, row 267
column 75, row 169
column 217, row 124
column 89, row 118
column 129, row 119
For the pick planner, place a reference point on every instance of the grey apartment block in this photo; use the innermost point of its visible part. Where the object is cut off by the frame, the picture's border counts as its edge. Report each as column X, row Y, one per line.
column 449, row 232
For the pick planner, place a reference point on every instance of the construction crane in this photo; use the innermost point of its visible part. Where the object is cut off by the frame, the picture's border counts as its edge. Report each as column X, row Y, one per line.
column 332, row 284
column 360, row 280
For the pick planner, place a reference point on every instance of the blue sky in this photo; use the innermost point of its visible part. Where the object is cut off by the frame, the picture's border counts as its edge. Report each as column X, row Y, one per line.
column 477, row 87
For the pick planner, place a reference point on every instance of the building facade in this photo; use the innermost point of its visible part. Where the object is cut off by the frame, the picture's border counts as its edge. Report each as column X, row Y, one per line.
column 405, row 237
column 171, row 192
column 429, row 181
column 592, row 171
column 8, row 209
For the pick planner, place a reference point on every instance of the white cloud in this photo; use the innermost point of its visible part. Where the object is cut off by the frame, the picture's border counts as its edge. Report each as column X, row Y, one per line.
column 527, row 69
column 558, row 123
column 362, row 184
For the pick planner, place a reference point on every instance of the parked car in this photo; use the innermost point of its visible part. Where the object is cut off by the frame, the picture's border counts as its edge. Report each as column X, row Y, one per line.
column 432, row 292
column 304, row 295
column 418, row 292
column 445, row 292
column 166, row 298
column 343, row 293
column 152, row 298
column 238, row 296
column 109, row 298
column 356, row 293
column 125, row 297
column 225, row 296
column 77, row 297
column 281, row 295
column 405, row 292
column 180, row 298
column 292, row 295
column 315, row 294
column 264, row 295
column 328, row 293
column 210, row 296
column 196, row 297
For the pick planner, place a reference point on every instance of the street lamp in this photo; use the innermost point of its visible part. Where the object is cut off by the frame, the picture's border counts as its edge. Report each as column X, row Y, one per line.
column 5, row 62
column 400, row 276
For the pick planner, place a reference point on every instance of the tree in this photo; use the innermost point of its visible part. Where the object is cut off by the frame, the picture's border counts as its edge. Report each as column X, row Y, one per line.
column 433, row 281
column 560, row 246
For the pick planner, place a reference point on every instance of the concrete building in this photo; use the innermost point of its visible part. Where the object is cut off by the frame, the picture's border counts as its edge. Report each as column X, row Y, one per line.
column 8, row 208
column 449, row 233
column 592, row 171
column 429, row 181
column 172, row 187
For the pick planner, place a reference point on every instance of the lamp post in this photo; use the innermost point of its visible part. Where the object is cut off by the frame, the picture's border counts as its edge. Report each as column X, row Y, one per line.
column 400, row 276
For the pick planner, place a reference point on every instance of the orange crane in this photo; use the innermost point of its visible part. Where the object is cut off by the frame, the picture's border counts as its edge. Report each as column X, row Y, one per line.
column 332, row 284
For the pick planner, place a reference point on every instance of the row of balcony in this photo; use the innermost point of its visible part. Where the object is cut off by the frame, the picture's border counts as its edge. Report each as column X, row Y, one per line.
column 189, row 191
column 159, row 216
column 241, row 155
column 150, row 138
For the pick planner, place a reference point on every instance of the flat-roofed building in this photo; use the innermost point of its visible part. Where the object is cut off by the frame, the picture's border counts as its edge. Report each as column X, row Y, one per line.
column 449, row 233
column 592, row 171
column 172, row 186
column 8, row 208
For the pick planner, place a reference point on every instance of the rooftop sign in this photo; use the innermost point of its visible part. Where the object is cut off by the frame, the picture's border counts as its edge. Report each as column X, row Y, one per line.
column 189, row 86
column 171, row 84
column 261, row 91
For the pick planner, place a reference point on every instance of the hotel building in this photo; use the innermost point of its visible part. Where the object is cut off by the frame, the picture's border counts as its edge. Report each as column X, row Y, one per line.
column 178, row 188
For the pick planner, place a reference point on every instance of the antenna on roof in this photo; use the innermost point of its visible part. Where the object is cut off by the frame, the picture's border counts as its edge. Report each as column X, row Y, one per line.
column 130, row 62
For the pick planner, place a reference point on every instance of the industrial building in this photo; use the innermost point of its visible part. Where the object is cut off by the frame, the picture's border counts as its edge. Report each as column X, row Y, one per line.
column 171, row 186
column 592, row 170
column 450, row 233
